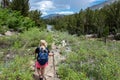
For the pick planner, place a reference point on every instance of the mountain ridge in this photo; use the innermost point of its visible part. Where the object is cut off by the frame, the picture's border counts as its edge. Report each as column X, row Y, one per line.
column 51, row 16
column 101, row 5
column 94, row 7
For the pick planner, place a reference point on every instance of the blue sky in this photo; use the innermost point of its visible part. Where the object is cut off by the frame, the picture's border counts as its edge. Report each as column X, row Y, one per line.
column 61, row 6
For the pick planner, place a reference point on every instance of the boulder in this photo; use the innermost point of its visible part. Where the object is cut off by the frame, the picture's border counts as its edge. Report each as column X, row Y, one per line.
column 91, row 36
column 1, row 35
column 9, row 33
column 117, row 36
column 64, row 43
column 111, row 37
column 50, row 74
column 88, row 36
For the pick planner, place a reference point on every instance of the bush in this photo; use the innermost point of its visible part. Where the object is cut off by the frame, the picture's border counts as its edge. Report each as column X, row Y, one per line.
column 32, row 37
column 16, row 69
column 7, row 42
column 66, row 73
column 94, row 59
column 14, row 20
column 3, row 29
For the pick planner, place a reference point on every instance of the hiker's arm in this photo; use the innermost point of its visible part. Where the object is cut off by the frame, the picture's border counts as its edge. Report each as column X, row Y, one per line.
column 50, row 53
column 35, row 52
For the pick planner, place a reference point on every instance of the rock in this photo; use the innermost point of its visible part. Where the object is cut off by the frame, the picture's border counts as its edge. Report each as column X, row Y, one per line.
column 110, row 37
column 63, row 59
column 117, row 36
column 114, row 40
column 64, row 43
column 9, row 33
column 68, row 49
column 28, row 49
column 88, row 36
column 50, row 74
column 91, row 36
column 1, row 35
column 32, row 68
column 8, row 56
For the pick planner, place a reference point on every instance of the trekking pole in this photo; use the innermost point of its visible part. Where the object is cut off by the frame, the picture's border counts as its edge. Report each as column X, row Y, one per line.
column 54, row 65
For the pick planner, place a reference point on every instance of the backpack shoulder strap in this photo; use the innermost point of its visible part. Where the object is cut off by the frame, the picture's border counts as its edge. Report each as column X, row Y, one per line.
column 45, row 50
column 40, row 49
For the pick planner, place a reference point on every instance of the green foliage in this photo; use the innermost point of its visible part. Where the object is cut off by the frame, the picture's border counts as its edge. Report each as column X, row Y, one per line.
column 35, row 15
column 102, row 22
column 28, row 38
column 3, row 29
column 117, row 36
column 17, row 44
column 93, row 59
column 33, row 36
column 20, row 5
column 87, row 59
column 59, row 36
column 14, row 20
column 20, row 45
column 69, row 74
column 7, row 42
column 17, row 69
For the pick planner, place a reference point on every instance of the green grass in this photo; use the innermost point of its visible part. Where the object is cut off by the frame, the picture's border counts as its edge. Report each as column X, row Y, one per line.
column 21, row 46
column 88, row 59
column 94, row 59
column 16, row 69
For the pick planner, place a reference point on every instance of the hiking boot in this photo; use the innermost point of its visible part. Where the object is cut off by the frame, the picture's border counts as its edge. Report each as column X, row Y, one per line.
column 41, row 78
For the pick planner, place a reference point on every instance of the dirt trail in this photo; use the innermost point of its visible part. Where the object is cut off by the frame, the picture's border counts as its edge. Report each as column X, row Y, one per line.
column 49, row 72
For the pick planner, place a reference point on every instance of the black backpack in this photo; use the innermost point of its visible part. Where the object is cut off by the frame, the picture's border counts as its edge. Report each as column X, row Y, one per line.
column 42, row 57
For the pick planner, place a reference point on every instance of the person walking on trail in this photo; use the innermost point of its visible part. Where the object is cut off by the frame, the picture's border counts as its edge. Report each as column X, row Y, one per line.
column 42, row 52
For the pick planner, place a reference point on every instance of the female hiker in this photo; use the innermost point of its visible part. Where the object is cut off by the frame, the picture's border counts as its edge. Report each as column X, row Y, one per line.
column 42, row 58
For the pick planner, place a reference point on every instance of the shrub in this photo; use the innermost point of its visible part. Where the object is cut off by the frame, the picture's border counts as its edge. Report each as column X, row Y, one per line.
column 93, row 58
column 3, row 29
column 32, row 37
column 14, row 20
column 16, row 69
column 66, row 73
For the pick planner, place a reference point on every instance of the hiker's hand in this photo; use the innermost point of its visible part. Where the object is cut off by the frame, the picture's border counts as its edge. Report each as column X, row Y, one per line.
column 51, row 54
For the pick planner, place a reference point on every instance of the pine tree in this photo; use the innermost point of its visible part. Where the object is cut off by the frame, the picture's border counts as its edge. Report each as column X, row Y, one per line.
column 35, row 16
column 20, row 5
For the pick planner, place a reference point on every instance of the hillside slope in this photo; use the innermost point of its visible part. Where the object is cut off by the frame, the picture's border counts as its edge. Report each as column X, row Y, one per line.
column 98, row 6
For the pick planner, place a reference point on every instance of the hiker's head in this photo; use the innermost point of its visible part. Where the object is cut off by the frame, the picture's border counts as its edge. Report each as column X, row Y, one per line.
column 43, row 43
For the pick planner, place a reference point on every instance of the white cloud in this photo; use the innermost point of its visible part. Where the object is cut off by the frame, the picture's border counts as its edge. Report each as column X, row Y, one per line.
column 65, row 12
column 60, row 6
column 91, row 0
column 44, row 13
column 43, row 6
